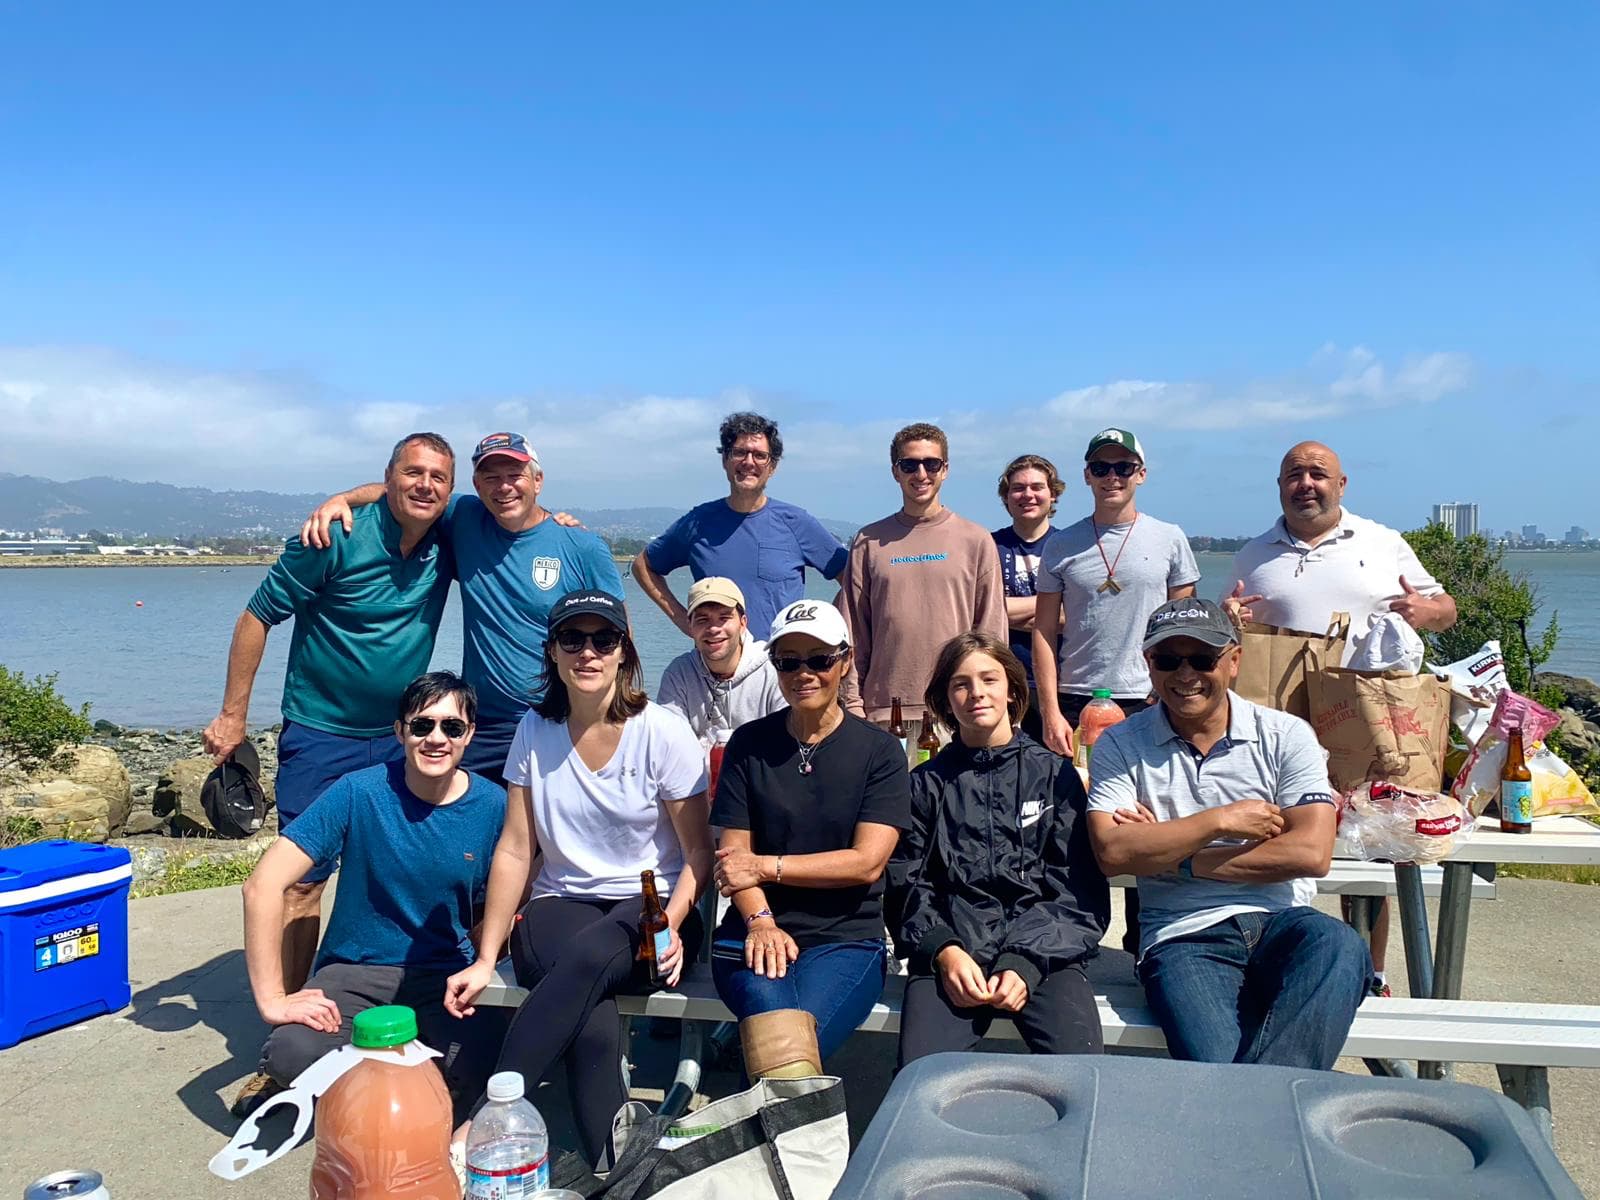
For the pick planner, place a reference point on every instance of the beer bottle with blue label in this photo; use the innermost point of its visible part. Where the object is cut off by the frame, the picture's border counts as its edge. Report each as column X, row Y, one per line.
column 1516, row 788
column 655, row 932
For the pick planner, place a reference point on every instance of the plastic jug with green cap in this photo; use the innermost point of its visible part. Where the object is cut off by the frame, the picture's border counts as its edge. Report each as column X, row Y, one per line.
column 383, row 1117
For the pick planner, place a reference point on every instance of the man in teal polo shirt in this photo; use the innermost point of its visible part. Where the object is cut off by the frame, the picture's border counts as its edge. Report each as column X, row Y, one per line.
column 515, row 559
column 365, row 614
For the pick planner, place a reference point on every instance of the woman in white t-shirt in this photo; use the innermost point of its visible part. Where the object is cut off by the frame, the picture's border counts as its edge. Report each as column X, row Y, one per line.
column 604, row 784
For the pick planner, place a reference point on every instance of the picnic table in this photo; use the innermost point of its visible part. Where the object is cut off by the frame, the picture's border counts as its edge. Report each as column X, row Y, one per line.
column 1435, row 972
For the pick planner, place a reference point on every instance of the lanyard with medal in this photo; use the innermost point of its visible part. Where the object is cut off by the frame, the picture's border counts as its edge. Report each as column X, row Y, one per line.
column 1111, row 585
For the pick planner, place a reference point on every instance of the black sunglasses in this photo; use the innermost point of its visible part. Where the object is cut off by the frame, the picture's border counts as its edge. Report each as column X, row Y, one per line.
column 786, row 664
column 1125, row 468
column 1204, row 663
column 421, row 727
column 604, row 641
column 908, row 466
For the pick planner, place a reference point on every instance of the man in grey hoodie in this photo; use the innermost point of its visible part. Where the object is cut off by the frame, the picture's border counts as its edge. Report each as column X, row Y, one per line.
column 726, row 679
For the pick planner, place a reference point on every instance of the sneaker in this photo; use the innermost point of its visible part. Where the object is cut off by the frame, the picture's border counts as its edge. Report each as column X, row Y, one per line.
column 257, row 1090
column 1379, row 988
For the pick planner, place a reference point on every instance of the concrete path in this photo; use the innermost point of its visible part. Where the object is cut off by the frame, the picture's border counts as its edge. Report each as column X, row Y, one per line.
column 141, row 1096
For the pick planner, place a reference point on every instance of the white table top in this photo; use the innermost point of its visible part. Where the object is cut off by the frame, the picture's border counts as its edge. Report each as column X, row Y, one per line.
column 1570, row 841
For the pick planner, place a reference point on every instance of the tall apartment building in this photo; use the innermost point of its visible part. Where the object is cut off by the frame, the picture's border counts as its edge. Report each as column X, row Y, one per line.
column 1459, row 518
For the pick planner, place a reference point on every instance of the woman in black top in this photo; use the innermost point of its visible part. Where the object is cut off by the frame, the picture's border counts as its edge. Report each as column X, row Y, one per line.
column 999, row 901
column 811, row 801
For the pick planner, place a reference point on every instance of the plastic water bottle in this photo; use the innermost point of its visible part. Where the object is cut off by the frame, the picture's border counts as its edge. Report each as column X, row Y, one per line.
column 508, row 1147
column 1098, row 715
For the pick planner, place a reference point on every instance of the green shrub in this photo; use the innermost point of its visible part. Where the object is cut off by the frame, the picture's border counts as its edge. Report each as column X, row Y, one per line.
column 1492, row 604
column 36, row 724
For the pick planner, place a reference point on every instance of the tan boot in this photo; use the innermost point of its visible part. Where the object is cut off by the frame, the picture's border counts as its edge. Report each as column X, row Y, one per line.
column 780, row 1045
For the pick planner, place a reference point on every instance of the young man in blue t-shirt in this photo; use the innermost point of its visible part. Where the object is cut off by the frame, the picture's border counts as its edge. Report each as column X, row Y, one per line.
column 763, row 545
column 414, row 840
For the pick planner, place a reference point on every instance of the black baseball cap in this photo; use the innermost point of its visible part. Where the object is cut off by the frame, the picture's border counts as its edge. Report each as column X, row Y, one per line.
column 589, row 603
column 1193, row 618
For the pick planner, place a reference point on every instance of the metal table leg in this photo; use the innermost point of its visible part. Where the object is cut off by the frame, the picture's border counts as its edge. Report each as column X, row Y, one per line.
column 1412, row 905
column 1530, row 1087
column 1450, row 950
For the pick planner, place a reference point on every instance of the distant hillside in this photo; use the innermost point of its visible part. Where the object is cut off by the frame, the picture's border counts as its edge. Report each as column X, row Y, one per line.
column 145, row 509
column 118, row 506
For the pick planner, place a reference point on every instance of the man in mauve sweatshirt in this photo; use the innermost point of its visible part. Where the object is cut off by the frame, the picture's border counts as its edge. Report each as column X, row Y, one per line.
column 913, row 581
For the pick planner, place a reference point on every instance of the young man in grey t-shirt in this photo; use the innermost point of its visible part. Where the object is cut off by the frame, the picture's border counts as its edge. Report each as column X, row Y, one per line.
column 1223, row 810
column 1098, row 581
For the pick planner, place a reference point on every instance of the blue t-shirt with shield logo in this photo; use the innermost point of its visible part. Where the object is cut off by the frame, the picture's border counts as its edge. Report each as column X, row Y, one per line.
column 509, row 582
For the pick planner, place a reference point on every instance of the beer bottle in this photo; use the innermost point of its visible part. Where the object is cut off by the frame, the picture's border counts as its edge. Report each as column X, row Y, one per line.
column 897, row 726
column 1516, row 788
column 927, row 740
column 655, row 934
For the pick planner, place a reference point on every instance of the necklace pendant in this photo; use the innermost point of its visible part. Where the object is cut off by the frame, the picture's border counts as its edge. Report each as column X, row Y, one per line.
column 1110, row 585
column 805, row 768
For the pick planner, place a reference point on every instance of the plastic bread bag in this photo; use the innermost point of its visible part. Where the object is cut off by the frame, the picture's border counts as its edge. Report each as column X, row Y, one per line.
column 1475, row 684
column 1381, row 821
column 1558, row 790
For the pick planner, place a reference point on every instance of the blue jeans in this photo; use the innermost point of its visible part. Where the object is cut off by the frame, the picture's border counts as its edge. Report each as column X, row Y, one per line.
column 1278, row 988
column 837, row 984
column 310, row 761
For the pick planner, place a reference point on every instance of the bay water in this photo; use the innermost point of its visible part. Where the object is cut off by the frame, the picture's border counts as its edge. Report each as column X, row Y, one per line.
column 148, row 646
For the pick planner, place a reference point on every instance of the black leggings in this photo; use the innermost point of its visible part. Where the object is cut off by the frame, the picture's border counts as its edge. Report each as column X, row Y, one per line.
column 574, row 956
column 1060, row 1017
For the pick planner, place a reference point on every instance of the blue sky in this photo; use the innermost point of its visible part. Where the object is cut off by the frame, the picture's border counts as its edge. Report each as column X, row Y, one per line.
column 249, row 246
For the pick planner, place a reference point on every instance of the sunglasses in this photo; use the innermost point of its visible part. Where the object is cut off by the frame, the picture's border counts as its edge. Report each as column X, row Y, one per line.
column 787, row 664
column 1125, row 469
column 908, row 466
column 604, row 641
column 1204, row 663
column 421, row 727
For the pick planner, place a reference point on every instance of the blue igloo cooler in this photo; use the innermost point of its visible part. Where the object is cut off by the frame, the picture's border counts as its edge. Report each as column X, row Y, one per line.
column 63, row 935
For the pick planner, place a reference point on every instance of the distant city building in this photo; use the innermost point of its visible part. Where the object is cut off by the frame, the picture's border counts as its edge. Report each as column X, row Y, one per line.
column 48, row 546
column 1460, row 518
column 1576, row 534
column 1530, row 533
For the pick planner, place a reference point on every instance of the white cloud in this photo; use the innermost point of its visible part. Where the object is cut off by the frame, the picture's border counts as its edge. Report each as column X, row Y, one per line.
column 68, row 412
column 1334, row 383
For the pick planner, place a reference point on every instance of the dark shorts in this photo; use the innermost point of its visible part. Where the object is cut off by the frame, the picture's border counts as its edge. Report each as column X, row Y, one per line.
column 491, row 742
column 309, row 761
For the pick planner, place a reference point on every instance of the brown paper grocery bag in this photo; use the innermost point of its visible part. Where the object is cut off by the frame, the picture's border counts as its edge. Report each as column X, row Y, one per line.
column 1381, row 725
column 1275, row 662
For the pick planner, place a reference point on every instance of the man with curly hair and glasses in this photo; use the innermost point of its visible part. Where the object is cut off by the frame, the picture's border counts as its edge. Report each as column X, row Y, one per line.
column 763, row 545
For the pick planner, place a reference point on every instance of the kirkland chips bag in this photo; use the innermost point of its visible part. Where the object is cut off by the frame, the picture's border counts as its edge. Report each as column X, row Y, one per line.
column 1475, row 684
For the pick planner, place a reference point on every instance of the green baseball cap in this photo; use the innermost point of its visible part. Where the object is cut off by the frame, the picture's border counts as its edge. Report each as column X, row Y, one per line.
column 1120, row 438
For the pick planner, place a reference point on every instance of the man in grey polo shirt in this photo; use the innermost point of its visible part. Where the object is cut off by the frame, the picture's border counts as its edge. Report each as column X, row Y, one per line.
column 1223, row 810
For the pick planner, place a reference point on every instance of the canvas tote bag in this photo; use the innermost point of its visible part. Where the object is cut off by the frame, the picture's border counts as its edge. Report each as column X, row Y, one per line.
column 1381, row 725
column 1276, row 662
column 783, row 1139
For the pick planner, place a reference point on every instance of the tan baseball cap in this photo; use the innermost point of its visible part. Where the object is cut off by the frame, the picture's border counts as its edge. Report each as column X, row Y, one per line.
column 715, row 588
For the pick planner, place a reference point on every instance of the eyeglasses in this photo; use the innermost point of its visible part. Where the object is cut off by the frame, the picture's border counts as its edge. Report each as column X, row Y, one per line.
column 604, row 641
column 908, row 466
column 421, row 727
column 787, row 664
column 1204, row 663
column 759, row 457
column 1125, row 468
